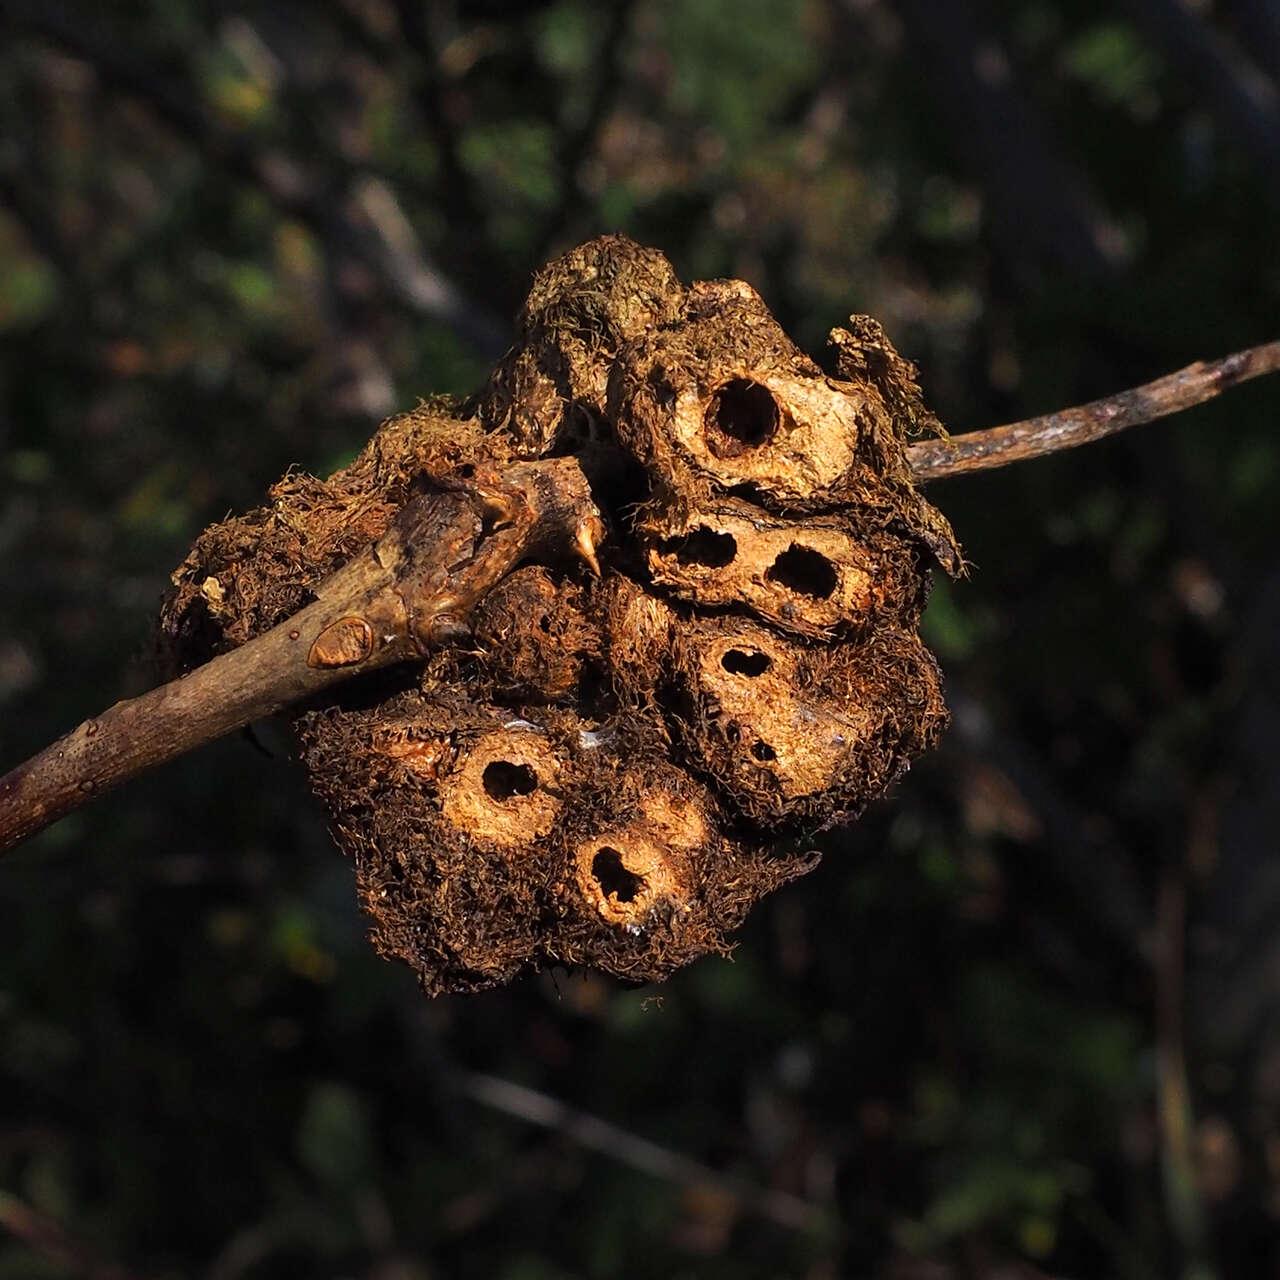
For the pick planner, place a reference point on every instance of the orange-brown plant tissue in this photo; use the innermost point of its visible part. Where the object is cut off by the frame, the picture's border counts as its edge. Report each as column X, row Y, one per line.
column 607, row 774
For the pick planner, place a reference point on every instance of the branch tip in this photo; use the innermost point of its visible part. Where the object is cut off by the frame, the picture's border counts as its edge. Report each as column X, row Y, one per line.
column 1068, row 428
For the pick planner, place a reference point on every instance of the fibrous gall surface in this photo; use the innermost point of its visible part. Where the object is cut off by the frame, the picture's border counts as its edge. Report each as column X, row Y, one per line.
column 710, row 648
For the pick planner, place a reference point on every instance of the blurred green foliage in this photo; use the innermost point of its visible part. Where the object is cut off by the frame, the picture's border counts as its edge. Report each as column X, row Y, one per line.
column 232, row 237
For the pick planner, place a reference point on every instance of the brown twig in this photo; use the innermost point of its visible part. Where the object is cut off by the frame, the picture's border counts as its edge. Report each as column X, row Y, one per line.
column 1051, row 432
column 405, row 595
column 445, row 550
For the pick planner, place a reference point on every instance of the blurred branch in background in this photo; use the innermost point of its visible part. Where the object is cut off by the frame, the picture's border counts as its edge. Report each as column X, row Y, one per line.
column 1260, row 26
column 422, row 26
column 1184, row 1202
column 1042, row 206
column 314, row 194
column 54, row 1245
column 415, row 279
column 227, row 241
column 579, row 143
column 20, row 197
column 1244, row 99
column 1095, row 872
column 638, row 1153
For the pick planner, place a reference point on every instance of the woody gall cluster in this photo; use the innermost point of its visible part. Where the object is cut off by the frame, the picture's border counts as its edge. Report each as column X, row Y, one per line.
column 702, row 640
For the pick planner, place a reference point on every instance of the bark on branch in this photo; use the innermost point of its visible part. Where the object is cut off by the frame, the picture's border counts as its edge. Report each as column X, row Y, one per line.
column 361, row 619
column 1053, row 432
column 689, row 418
column 408, row 593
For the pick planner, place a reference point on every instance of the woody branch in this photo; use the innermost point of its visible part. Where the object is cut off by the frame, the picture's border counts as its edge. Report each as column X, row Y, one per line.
column 403, row 595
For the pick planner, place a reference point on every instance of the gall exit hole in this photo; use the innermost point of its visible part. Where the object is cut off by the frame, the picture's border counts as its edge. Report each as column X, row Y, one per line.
column 742, row 415
column 612, row 876
column 740, row 662
column 703, row 546
column 503, row 780
column 803, row 571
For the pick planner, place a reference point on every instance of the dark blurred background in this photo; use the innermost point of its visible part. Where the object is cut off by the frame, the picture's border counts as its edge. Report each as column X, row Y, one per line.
column 1024, row 1020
